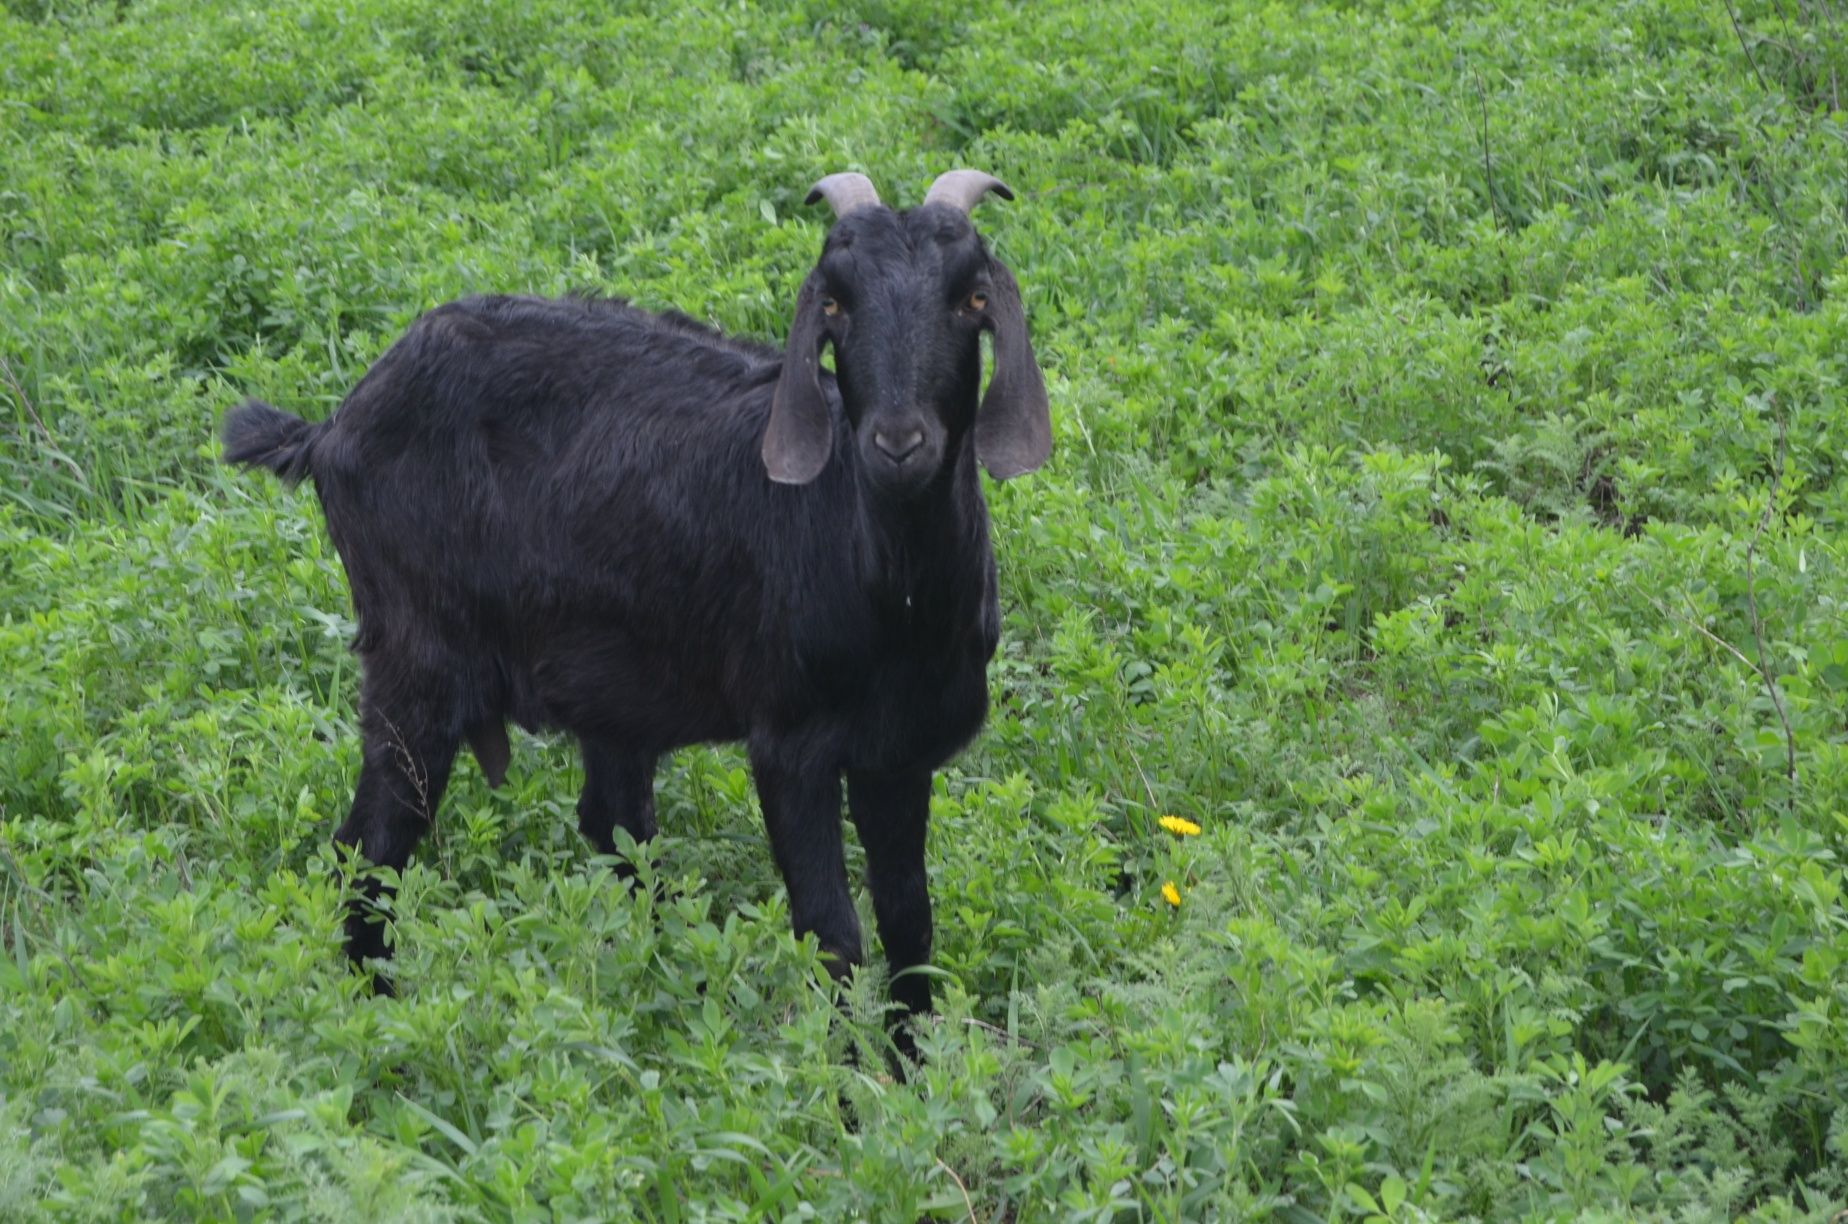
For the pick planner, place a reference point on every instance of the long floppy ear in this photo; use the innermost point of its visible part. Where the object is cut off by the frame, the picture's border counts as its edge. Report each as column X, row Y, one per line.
column 1013, row 428
column 800, row 436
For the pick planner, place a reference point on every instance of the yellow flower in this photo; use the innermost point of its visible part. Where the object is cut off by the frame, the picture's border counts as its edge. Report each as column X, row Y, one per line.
column 1179, row 825
column 1171, row 894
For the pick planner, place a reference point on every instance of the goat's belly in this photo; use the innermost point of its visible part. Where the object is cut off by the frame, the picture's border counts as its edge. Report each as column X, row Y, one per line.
column 652, row 722
column 631, row 700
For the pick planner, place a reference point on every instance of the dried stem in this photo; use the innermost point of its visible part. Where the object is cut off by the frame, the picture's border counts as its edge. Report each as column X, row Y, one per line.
column 1758, row 623
column 25, row 401
column 1701, row 629
column 1691, row 621
column 1798, row 271
column 1746, row 46
column 38, row 899
column 6, row 371
column 410, row 767
column 1000, row 1032
column 1153, row 805
column 1488, row 163
column 967, row 1201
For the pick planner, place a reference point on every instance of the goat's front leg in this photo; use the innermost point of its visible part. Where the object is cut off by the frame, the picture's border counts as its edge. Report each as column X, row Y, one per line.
column 891, row 811
column 802, row 812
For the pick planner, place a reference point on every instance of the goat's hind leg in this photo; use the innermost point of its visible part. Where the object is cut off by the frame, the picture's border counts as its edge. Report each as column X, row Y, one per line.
column 411, row 734
column 618, row 792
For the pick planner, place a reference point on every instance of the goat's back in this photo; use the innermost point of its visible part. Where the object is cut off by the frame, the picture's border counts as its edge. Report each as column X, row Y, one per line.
column 512, row 464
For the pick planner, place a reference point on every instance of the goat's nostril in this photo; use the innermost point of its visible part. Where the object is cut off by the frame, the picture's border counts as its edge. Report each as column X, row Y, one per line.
column 898, row 446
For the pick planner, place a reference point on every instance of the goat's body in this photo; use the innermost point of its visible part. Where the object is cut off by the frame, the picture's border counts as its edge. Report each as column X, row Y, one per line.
column 554, row 512
column 689, row 599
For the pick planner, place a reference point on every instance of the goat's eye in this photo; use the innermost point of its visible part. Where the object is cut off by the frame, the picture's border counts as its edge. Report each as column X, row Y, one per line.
column 830, row 307
column 978, row 300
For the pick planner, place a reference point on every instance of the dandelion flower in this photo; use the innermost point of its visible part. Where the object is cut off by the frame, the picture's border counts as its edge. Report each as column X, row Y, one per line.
column 1171, row 894
column 1180, row 826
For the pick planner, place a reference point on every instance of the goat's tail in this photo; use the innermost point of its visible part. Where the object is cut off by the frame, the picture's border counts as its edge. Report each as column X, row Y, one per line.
column 259, row 434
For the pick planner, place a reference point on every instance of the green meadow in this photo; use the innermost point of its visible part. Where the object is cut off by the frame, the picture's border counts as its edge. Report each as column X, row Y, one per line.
column 1449, row 518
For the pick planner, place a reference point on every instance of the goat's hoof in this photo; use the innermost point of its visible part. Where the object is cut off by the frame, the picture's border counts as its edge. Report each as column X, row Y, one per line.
column 905, row 1054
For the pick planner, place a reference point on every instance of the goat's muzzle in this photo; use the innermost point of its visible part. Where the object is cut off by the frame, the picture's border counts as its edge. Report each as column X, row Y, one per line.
column 898, row 444
column 901, row 456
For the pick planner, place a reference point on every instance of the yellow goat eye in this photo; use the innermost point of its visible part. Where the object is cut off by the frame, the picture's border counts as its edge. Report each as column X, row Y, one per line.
column 978, row 300
column 830, row 307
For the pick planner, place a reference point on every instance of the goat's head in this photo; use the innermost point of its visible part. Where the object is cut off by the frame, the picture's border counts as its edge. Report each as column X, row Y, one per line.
column 904, row 297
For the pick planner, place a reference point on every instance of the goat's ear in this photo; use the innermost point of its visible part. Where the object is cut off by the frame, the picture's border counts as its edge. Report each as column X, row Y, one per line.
column 1013, row 428
column 800, row 435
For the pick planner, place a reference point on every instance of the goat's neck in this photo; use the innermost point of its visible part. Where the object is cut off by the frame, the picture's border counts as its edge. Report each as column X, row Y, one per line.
column 930, row 556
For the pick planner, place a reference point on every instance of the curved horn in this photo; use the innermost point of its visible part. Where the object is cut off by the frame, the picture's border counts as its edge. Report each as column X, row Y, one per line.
column 961, row 189
column 844, row 193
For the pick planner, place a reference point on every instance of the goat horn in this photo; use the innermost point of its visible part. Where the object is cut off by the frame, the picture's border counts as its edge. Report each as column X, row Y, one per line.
column 962, row 189
column 844, row 193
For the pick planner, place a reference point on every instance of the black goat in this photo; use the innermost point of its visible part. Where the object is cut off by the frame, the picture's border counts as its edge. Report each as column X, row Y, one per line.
column 579, row 515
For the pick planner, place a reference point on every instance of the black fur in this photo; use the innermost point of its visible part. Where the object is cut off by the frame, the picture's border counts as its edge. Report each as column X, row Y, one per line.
column 558, row 512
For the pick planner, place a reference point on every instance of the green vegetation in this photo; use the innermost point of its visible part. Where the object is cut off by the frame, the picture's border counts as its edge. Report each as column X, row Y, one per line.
column 1451, row 424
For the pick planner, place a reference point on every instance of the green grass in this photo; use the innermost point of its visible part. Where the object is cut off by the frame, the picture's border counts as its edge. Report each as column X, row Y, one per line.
column 1419, row 372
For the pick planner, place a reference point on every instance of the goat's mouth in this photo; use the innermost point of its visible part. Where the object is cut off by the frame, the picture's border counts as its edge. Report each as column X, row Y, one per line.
column 900, row 463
